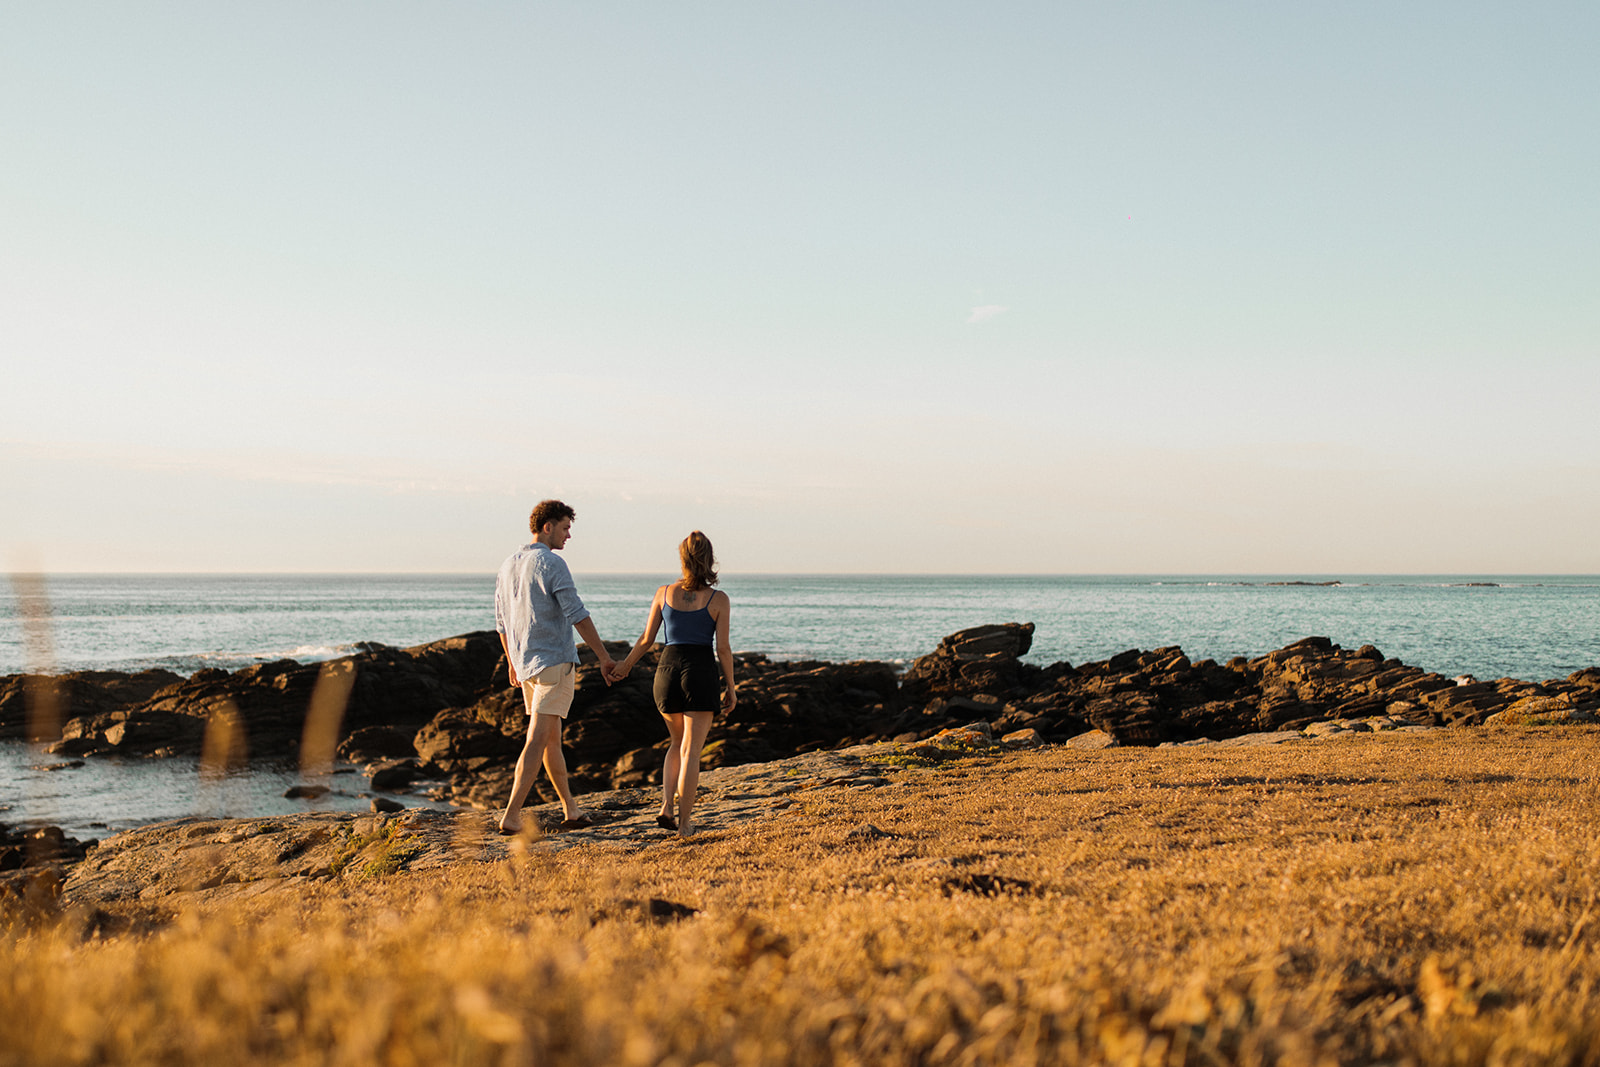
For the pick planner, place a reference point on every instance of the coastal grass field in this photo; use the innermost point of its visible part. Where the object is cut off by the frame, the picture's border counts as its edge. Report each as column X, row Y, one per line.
column 1401, row 899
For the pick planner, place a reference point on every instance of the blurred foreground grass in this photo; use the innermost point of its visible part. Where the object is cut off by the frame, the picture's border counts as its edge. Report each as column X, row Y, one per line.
column 1425, row 899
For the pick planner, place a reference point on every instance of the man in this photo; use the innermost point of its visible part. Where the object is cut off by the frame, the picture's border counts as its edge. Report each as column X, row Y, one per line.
column 536, row 608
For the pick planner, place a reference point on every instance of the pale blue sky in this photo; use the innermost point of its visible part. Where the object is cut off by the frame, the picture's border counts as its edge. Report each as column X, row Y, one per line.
column 858, row 287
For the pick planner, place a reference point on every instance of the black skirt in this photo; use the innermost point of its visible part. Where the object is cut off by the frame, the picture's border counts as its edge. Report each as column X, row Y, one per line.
column 687, row 679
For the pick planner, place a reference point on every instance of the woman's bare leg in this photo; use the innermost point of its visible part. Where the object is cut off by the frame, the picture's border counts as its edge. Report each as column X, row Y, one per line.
column 694, row 738
column 669, row 769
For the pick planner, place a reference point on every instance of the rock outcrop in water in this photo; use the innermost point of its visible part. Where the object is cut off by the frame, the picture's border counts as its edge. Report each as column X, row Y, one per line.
column 440, row 717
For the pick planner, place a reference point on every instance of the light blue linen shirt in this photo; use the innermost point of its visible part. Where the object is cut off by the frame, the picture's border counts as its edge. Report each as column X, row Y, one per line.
column 536, row 606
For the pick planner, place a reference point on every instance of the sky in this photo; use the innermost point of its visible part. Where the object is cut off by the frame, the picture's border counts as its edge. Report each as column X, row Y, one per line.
column 853, row 288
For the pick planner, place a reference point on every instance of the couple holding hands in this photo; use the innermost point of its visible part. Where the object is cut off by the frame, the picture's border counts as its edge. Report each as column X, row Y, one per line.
column 537, row 608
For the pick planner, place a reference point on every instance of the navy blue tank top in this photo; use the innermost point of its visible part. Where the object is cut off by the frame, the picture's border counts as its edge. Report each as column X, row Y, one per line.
column 688, row 627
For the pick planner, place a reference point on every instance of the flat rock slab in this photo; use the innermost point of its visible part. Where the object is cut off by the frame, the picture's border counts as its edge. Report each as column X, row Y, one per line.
column 202, row 859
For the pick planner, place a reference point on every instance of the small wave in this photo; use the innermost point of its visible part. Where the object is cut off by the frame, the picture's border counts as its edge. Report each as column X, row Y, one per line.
column 319, row 653
column 300, row 653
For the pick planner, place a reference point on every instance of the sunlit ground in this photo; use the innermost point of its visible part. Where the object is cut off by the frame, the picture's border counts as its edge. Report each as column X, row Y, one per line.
column 1423, row 899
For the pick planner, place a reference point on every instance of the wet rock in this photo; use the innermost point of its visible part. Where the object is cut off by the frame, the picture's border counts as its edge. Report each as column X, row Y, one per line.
column 79, row 746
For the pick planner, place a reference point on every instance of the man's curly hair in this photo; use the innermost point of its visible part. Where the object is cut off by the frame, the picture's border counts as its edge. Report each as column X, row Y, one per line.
column 548, row 511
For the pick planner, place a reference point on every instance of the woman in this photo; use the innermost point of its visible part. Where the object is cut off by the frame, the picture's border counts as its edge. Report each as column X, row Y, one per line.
column 695, row 616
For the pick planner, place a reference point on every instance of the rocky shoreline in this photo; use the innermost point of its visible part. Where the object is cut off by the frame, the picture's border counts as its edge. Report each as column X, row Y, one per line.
column 437, row 719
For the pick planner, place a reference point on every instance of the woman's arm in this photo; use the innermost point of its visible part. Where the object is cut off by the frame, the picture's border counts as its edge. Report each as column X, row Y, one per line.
column 646, row 639
column 730, row 696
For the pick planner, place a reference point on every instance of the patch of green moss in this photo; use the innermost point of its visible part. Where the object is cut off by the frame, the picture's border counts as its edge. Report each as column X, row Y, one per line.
column 386, row 850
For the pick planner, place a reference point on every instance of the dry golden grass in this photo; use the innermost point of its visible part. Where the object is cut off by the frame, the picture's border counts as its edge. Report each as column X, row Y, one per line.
column 1420, row 899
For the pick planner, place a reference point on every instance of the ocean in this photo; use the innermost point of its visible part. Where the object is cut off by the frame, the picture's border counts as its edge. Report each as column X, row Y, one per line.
column 1490, row 626
column 1522, row 626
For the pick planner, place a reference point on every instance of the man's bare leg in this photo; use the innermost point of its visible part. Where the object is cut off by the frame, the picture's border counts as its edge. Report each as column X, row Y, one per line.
column 669, row 768
column 535, row 748
column 555, row 765
column 694, row 739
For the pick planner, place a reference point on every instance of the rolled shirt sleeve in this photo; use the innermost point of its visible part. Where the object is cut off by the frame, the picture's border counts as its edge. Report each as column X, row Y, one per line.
column 564, row 591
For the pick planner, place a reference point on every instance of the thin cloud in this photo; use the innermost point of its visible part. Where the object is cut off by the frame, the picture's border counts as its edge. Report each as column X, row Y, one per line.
column 983, row 312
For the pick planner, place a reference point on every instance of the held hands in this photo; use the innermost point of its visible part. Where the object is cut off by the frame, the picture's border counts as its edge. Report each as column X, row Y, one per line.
column 616, row 672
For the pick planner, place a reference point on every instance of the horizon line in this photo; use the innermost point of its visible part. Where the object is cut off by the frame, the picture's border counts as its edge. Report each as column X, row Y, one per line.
column 1320, row 575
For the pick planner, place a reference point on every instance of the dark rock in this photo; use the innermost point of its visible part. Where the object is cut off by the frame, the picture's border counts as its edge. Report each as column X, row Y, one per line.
column 653, row 910
column 306, row 792
column 984, row 659
column 39, row 846
column 399, row 689
column 78, row 746
column 456, row 734
column 67, row 766
column 156, row 729
column 383, row 805
column 640, row 759
column 867, row 832
column 394, row 774
column 369, row 744
column 987, row 885
column 32, row 893
column 74, row 694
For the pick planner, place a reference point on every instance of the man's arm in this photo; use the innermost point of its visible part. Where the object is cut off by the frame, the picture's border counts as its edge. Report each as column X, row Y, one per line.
column 511, row 668
column 591, row 637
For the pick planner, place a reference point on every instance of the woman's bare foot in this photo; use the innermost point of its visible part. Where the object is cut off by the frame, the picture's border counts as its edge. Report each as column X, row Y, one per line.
column 510, row 827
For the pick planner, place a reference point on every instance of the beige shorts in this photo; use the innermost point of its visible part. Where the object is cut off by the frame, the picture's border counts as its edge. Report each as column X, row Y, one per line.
column 550, row 691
